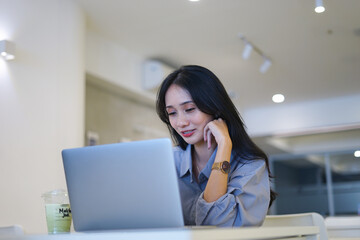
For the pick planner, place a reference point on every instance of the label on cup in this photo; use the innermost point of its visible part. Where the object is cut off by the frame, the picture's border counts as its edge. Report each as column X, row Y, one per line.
column 58, row 217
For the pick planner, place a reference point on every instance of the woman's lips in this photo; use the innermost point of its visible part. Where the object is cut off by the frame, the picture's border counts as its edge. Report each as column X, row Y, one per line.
column 187, row 133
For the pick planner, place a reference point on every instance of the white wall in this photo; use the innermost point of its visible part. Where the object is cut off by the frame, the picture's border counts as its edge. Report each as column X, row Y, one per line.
column 115, row 64
column 117, row 118
column 303, row 117
column 41, row 104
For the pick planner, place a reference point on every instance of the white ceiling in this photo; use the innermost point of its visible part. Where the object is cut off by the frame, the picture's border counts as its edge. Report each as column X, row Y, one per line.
column 315, row 56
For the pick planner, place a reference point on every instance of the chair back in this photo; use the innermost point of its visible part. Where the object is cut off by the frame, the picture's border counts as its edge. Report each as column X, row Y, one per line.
column 299, row 219
column 343, row 226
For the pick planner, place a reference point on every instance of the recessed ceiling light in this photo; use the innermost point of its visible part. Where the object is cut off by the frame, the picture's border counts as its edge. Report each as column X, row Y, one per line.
column 357, row 153
column 194, row 0
column 278, row 98
column 319, row 6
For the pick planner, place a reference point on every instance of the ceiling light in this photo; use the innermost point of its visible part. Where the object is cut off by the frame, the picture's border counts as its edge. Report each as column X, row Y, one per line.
column 278, row 98
column 7, row 50
column 194, row 0
column 357, row 153
column 265, row 66
column 319, row 6
column 247, row 51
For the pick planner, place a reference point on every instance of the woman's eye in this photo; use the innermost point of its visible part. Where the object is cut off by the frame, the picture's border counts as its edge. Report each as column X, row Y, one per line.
column 171, row 113
column 190, row 109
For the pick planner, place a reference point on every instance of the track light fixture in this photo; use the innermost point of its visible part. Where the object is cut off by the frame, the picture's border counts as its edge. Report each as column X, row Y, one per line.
column 319, row 6
column 249, row 47
column 266, row 65
column 7, row 50
column 247, row 51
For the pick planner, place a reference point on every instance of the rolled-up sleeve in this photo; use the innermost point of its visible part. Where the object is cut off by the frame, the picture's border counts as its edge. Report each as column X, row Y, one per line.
column 246, row 201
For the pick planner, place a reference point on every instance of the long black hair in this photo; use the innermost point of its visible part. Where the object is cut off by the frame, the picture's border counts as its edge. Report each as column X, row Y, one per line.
column 210, row 96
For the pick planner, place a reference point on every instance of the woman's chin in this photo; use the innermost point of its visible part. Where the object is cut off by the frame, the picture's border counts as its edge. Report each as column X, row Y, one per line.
column 189, row 140
column 194, row 141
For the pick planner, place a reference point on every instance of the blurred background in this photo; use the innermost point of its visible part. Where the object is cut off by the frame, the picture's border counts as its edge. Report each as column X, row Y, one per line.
column 86, row 72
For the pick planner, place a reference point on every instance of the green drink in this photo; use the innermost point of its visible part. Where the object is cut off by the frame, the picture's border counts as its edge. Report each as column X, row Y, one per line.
column 58, row 217
column 58, row 212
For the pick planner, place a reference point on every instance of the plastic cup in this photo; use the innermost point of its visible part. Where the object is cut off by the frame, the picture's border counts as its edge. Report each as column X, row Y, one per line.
column 58, row 212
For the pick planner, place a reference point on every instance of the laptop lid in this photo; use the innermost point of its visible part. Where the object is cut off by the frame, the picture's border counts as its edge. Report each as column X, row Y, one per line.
column 123, row 186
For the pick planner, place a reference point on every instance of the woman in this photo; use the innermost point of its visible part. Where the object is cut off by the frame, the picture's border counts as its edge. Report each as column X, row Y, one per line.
column 223, row 175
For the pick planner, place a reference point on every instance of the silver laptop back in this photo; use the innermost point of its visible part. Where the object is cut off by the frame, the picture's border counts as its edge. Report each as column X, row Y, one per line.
column 123, row 186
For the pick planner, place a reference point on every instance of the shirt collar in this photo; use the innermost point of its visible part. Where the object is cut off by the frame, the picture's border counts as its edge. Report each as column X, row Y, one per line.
column 186, row 163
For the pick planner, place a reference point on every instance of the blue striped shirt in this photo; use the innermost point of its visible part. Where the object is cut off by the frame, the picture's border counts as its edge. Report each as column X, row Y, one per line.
column 245, row 203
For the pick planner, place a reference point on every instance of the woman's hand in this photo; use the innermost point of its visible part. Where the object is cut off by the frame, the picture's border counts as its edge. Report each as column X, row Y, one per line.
column 217, row 183
column 219, row 130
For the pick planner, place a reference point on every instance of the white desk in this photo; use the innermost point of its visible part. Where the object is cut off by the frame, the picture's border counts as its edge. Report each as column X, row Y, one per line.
column 249, row 233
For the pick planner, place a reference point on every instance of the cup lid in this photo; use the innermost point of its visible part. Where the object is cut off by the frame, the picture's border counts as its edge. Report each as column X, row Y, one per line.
column 56, row 192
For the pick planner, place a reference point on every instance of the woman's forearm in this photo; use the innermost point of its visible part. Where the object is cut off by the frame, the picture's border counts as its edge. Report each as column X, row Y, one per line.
column 217, row 183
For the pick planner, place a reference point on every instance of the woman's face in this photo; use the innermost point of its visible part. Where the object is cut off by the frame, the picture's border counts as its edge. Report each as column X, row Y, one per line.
column 187, row 120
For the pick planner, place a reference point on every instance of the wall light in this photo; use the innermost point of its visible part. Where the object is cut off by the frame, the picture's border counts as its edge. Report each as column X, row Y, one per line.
column 7, row 50
column 319, row 6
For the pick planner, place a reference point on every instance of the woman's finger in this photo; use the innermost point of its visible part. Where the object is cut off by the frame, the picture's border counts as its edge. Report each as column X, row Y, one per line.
column 205, row 131
column 209, row 138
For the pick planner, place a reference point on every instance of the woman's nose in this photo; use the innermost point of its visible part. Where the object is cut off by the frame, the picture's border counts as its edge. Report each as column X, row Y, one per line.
column 182, row 120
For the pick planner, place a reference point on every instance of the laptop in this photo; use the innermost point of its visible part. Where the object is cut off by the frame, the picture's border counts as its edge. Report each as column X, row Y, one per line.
column 123, row 186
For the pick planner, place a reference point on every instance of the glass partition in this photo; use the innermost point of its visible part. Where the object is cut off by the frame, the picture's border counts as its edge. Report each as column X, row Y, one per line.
column 301, row 185
column 326, row 183
column 345, row 175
